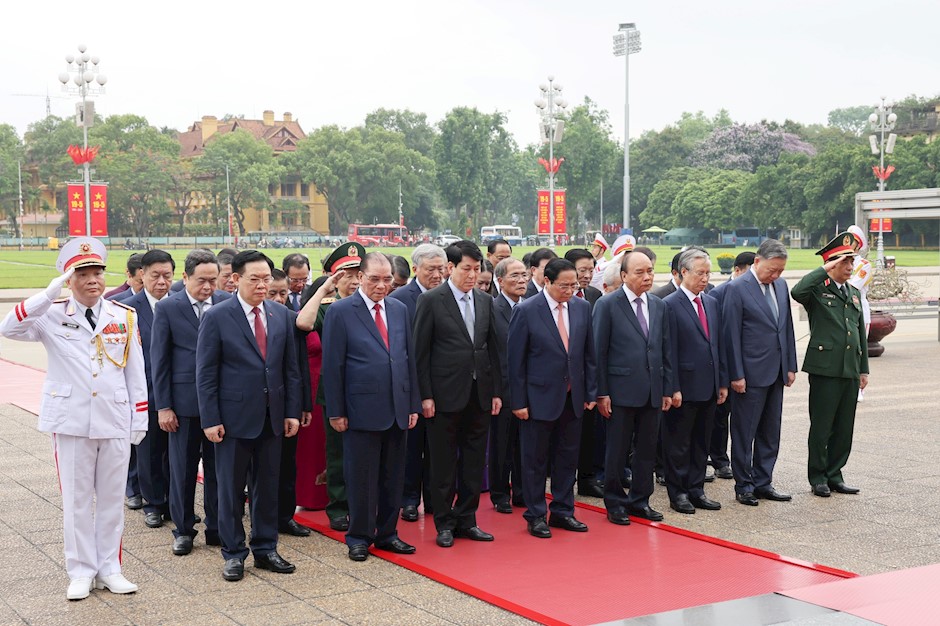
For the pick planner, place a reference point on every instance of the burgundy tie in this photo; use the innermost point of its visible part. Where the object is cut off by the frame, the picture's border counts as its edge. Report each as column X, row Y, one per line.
column 260, row 336
column 380, row 324
column 701, row 315
column 580, row 293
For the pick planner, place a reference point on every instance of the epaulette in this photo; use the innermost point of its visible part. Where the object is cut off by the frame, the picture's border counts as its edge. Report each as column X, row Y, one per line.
column 60, row 300
column 122, row 305
column 327, row 301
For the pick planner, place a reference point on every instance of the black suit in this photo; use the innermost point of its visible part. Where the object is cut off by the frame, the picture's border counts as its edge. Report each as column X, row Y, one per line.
column 462, row 377
column 287, row 484
column 531, row 289
column 505, row 453
column 591, row 294
column 591, row 450
column 665, row 290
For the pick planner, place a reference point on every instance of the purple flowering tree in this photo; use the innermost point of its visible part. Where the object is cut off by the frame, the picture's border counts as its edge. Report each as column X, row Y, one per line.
column 746, row 147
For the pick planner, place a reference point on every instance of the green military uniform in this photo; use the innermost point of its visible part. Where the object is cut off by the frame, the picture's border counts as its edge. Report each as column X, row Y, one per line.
column 836, row 358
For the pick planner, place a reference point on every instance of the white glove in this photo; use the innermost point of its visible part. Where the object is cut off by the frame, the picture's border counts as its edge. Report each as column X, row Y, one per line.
column 137, row 436
column 55, row 287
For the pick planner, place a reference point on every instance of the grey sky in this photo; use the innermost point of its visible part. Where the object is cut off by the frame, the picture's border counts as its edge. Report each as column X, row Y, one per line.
column 333, row 62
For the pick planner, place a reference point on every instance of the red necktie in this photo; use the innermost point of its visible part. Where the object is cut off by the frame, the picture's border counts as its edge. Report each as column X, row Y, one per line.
column 260, row 336
column 701, row 315
column 580, row 293
column 380, row 324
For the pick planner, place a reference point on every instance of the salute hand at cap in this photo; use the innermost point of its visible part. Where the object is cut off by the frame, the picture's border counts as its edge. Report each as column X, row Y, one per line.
column 55, row 287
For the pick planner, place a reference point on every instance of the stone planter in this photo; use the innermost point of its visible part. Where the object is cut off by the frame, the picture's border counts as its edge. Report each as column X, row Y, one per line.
column 883, row 324
column 725, row 264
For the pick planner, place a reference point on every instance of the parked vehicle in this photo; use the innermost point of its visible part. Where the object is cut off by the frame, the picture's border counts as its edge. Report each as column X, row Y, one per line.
column 370, row 235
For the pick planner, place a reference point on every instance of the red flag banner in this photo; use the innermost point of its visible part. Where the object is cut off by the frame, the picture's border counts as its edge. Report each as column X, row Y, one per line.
column 99, row 210
column 561, row 212
column 544, row 210
column 880, row 225
column 76, row 208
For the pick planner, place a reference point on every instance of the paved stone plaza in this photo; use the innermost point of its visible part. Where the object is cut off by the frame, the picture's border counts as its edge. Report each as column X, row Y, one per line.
column 894, row 523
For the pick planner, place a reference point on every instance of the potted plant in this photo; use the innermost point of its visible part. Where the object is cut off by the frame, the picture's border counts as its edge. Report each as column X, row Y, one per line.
column 726, row 262
column 891, row 290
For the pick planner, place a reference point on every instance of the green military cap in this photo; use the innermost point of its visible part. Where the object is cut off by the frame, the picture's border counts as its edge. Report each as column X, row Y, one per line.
column 345, row 256
column 843, row 244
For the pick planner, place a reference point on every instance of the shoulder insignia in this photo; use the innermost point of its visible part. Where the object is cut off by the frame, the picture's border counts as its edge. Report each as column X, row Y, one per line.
column 327, row 301
column 827, row 282
column 122, row 305
column 60, row 300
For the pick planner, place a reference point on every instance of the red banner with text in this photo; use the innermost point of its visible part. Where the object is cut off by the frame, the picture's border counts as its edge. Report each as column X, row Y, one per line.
column 99, row 209
column 544, row 208
column 880, row 225
column 76, row 201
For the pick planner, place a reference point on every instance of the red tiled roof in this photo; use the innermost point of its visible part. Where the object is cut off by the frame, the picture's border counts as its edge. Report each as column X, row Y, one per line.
column 281, row 136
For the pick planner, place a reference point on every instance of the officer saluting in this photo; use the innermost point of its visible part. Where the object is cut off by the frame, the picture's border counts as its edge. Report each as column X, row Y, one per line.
column 836, row 361
column 94, row 402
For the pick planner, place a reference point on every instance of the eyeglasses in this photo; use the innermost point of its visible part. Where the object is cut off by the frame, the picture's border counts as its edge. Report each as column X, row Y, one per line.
column 255, row 281
column 567, row 286
column 294, row 281
column 375, row 280
column 515, row 276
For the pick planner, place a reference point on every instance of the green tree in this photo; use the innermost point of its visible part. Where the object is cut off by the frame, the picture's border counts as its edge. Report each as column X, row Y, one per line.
column 773, row 198
column 852, row 120
column 651, row 156
column 11, row 152
column 659, row 207
column 696, row 127
column 417, row 133
column 835, row 176
column 711, row 201
column 46, row 143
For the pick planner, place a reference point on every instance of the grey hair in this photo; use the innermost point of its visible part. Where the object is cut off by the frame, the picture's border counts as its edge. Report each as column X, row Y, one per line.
column 502, row 268
column 689, row 256
column 427, row 252
column 772, row 249
column 612, row 274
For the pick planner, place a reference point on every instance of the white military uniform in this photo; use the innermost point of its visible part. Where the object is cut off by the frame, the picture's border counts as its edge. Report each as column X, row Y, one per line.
column 622, row 245
column 93, row 398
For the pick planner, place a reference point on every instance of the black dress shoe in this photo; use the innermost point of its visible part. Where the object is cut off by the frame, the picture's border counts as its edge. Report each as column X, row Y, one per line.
column 503, row 507
column 409, row 513
column 397, row 546
column 358, row 552
column 568, row 523
column 234, row 569
column 445, row 538
column 682, row 505
column 134, row 502
column 709, row 478
column 153, row 520
column 619, row 517
column 182, row 545
column 538, row 528
column 843, row 488
column 660, row 479
column 212, row 539
column 646, row 512
column 821, row 490
column 274, row 562
column 724, row 472
column 197, row 520
column 474, row 533
column 591, row 490
column 339, row 523
column 519, row 502
column 747, row 498
column 295, row 529
column 772, row 494
column 705, row 503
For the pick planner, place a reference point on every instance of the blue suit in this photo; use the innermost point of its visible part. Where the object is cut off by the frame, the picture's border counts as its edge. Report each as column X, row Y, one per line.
column 762, row 351
column 718, row 443
column 554, row 384
column 173, row 357
column 699, row 373
column 376, row 388
column 250, row 395
column 636, row 373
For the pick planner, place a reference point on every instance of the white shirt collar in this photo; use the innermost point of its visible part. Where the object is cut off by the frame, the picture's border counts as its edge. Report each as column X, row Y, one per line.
column 688, row 294
column 632, row 296
column 95, row 310
column 458, row 294
column 370, row 304
column 553, row 304
column 247, row 307
column 153, row 301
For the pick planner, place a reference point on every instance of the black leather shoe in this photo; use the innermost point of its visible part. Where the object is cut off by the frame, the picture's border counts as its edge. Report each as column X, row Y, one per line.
column 538, row 528
column 619, row 517
column 212, row 539
column 709, row 478
column 843, row 488
column 647, row 512
column 724, row 472
column 339, row 523
column 519, row 502
column 197, row 520
column 705, row 503
column 682, row 505
column 234, row 569
column 397, row 546
column 182, row 545
column 503, row 507
column 568, row 523
column 474, row 533
column 445, row 538
column 295, row 529
column 772, row 494
column 134, row 502
column 358, row 552
column 409, row 513
column 660, row 479
column 747, row 498
column 274, row 562
column 591, row 490
column 153, row 520
column 821, row 490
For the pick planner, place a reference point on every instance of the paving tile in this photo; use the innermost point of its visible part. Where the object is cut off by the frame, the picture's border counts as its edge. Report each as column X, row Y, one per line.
column 296, row 612
column 358, row 603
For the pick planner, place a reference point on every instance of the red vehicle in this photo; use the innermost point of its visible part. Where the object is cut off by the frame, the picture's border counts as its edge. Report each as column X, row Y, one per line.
column 370, row 235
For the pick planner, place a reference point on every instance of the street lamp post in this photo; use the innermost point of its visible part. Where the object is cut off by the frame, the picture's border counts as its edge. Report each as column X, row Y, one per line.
column 625, row 44
column 882, row 121
column 82, row 72
column 551, row 104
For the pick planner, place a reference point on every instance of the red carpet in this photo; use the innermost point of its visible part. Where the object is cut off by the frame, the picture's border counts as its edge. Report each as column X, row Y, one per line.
column 21, row 385
column 611, row 572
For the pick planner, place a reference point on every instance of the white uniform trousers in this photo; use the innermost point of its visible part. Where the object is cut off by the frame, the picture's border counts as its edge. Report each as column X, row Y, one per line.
column 92, row 477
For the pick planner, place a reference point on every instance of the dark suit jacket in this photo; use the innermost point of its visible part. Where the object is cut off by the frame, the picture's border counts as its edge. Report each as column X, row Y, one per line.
column 592, row 295
column 145, row 325
column 445, row 355
column 758, row 348
column 696, row 359
column 502, row 313
column 125, row 286
column 633, row 370
column 540, row 369
column 531, row 289
column 373, row 386
column 177, row 286
column 173, row 353
column 409, row 296
column 124, row 295
column 718, row 293
column 237, row 387
column 665, row 290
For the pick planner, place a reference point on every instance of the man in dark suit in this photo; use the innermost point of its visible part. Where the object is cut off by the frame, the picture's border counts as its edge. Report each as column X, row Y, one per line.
column 761, row 349
column 701, row 381
column 634, row 383
column 429, row 264
column 153, row 463
column 134, row 282
column 553, row 380
column 297, row 268
column 173, row 359
column 505, row 461
column 537, row 261
column 458, row 370
column 372, row 398
column 674, row 279
column 249, row 399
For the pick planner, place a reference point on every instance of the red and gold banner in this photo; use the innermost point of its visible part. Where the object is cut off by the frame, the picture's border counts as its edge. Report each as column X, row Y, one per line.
column 880, row 225
column 544, row 208
column 76, row 206
column 99, row 209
